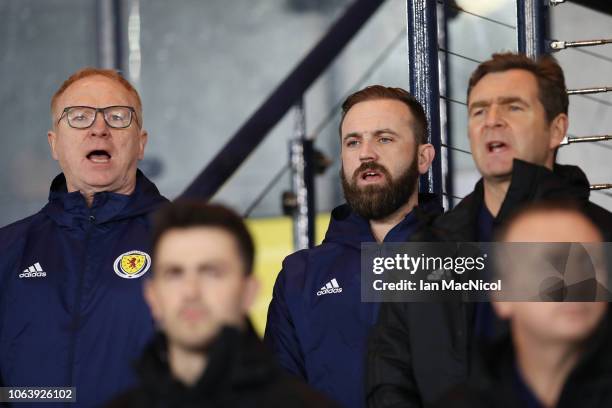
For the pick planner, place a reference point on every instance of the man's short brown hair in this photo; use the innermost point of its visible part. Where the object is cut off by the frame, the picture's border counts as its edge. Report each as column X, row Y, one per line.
column 108, row 73
column 548, row 74
column 183, row 214
column 377, row 92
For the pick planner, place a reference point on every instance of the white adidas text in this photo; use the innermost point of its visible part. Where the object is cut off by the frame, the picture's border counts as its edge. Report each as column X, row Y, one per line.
column 329, row 288
column 34, row 271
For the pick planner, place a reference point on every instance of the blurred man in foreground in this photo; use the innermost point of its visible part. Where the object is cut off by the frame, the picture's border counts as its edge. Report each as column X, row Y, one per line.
column 558, row 354
column 201, row 289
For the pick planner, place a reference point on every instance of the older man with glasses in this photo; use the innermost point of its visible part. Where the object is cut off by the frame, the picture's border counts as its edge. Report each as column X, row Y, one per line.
column 72, row 312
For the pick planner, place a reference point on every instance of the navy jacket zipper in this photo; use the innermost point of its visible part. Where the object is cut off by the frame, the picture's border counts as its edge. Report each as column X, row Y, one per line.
column 76, row 318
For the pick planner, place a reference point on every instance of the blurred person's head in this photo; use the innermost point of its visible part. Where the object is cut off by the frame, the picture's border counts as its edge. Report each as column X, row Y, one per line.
column 517, row 108
column 383, row 134
column 568, row 323
column 98, row 150
column 202, row 273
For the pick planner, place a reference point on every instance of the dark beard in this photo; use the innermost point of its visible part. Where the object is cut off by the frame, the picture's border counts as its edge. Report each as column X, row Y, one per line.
column 378, row 202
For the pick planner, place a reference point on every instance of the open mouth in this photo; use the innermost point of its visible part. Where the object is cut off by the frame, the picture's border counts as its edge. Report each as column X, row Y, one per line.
column 99, row 156
column 371, row 175
column 495, row 147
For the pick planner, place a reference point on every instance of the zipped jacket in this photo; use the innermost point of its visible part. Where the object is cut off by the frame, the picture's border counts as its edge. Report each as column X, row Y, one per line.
column 72, row 313
column 317, row 324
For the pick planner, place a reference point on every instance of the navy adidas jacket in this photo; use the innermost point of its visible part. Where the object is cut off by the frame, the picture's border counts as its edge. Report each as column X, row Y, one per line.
column 72, row 311
column 321, row 335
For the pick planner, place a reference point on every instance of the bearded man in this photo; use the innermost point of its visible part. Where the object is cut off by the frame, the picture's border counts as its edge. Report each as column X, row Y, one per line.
column 317, row 325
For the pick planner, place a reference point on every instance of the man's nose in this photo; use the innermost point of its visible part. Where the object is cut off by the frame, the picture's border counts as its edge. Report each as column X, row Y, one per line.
column 367, row 151
column 494, row 116
column 191, row 287
column 99, row 127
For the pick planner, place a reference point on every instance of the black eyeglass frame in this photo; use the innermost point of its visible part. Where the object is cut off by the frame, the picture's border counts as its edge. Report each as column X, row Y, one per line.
column 133, row 115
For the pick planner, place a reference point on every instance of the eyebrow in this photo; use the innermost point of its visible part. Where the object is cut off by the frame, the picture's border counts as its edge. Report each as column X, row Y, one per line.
column 503, row 100
column 170, row 267
column 216, row 264
column 385, row 130
column 377, row 132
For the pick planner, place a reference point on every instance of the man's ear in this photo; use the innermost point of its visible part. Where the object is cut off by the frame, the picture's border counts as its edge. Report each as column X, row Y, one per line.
column 151, row 297
column 144, row 136
column 251, row 290
column 52, row 139
column 558, row 129
column 502, row 309
column 425, row 156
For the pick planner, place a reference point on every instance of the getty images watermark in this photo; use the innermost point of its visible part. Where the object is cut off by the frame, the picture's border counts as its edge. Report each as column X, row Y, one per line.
column 474, row 271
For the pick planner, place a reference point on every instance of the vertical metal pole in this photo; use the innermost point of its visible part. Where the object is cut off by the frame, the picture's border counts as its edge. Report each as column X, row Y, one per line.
column 133, row 38
column 424, row 84
column 445, row 106
column 109, row 34
column 106, row 33
column 302, row 180
column 531, row 27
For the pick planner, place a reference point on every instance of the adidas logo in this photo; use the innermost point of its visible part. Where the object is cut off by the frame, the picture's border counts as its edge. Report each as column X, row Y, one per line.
column 330, row 287
column 34, row 271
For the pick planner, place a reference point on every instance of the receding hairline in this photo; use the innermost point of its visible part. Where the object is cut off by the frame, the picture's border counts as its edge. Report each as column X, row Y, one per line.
column 131, row 92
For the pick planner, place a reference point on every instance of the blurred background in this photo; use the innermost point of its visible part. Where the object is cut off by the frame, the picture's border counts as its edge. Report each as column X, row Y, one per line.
column 204, row 67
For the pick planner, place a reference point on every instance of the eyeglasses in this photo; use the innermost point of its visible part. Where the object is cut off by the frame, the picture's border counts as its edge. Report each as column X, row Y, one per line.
column 82, row 117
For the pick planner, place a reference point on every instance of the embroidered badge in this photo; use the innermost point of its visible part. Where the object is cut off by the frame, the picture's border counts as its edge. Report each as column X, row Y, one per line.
column 132, row 264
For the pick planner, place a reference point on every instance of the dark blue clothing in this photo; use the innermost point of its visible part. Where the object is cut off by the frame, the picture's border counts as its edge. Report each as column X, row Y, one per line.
column 484, row 317
column 321, row 337
column 485, row 224
column 80, row 318
column 496, row 382
column 523, row 392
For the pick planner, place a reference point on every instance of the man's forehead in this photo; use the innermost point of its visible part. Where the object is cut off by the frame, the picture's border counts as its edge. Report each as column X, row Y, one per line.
column 513, row 83
column 93, row 87
column 376, row 114
column 553, row 226
column 197, row 242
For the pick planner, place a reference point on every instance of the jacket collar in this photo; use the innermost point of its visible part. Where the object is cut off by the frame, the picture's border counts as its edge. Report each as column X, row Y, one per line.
column 70, row 209
column 349, row 228
column 495, row 360
column 529, row 182
column 236, row 359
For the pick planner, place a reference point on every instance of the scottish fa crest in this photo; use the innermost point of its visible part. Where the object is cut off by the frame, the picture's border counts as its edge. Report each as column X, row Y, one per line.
column 132, row 264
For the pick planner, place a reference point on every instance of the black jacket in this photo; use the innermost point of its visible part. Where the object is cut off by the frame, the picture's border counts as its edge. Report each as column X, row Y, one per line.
column 418, row 351
column 239, row 373
column 493, row 381
column 529, row 183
